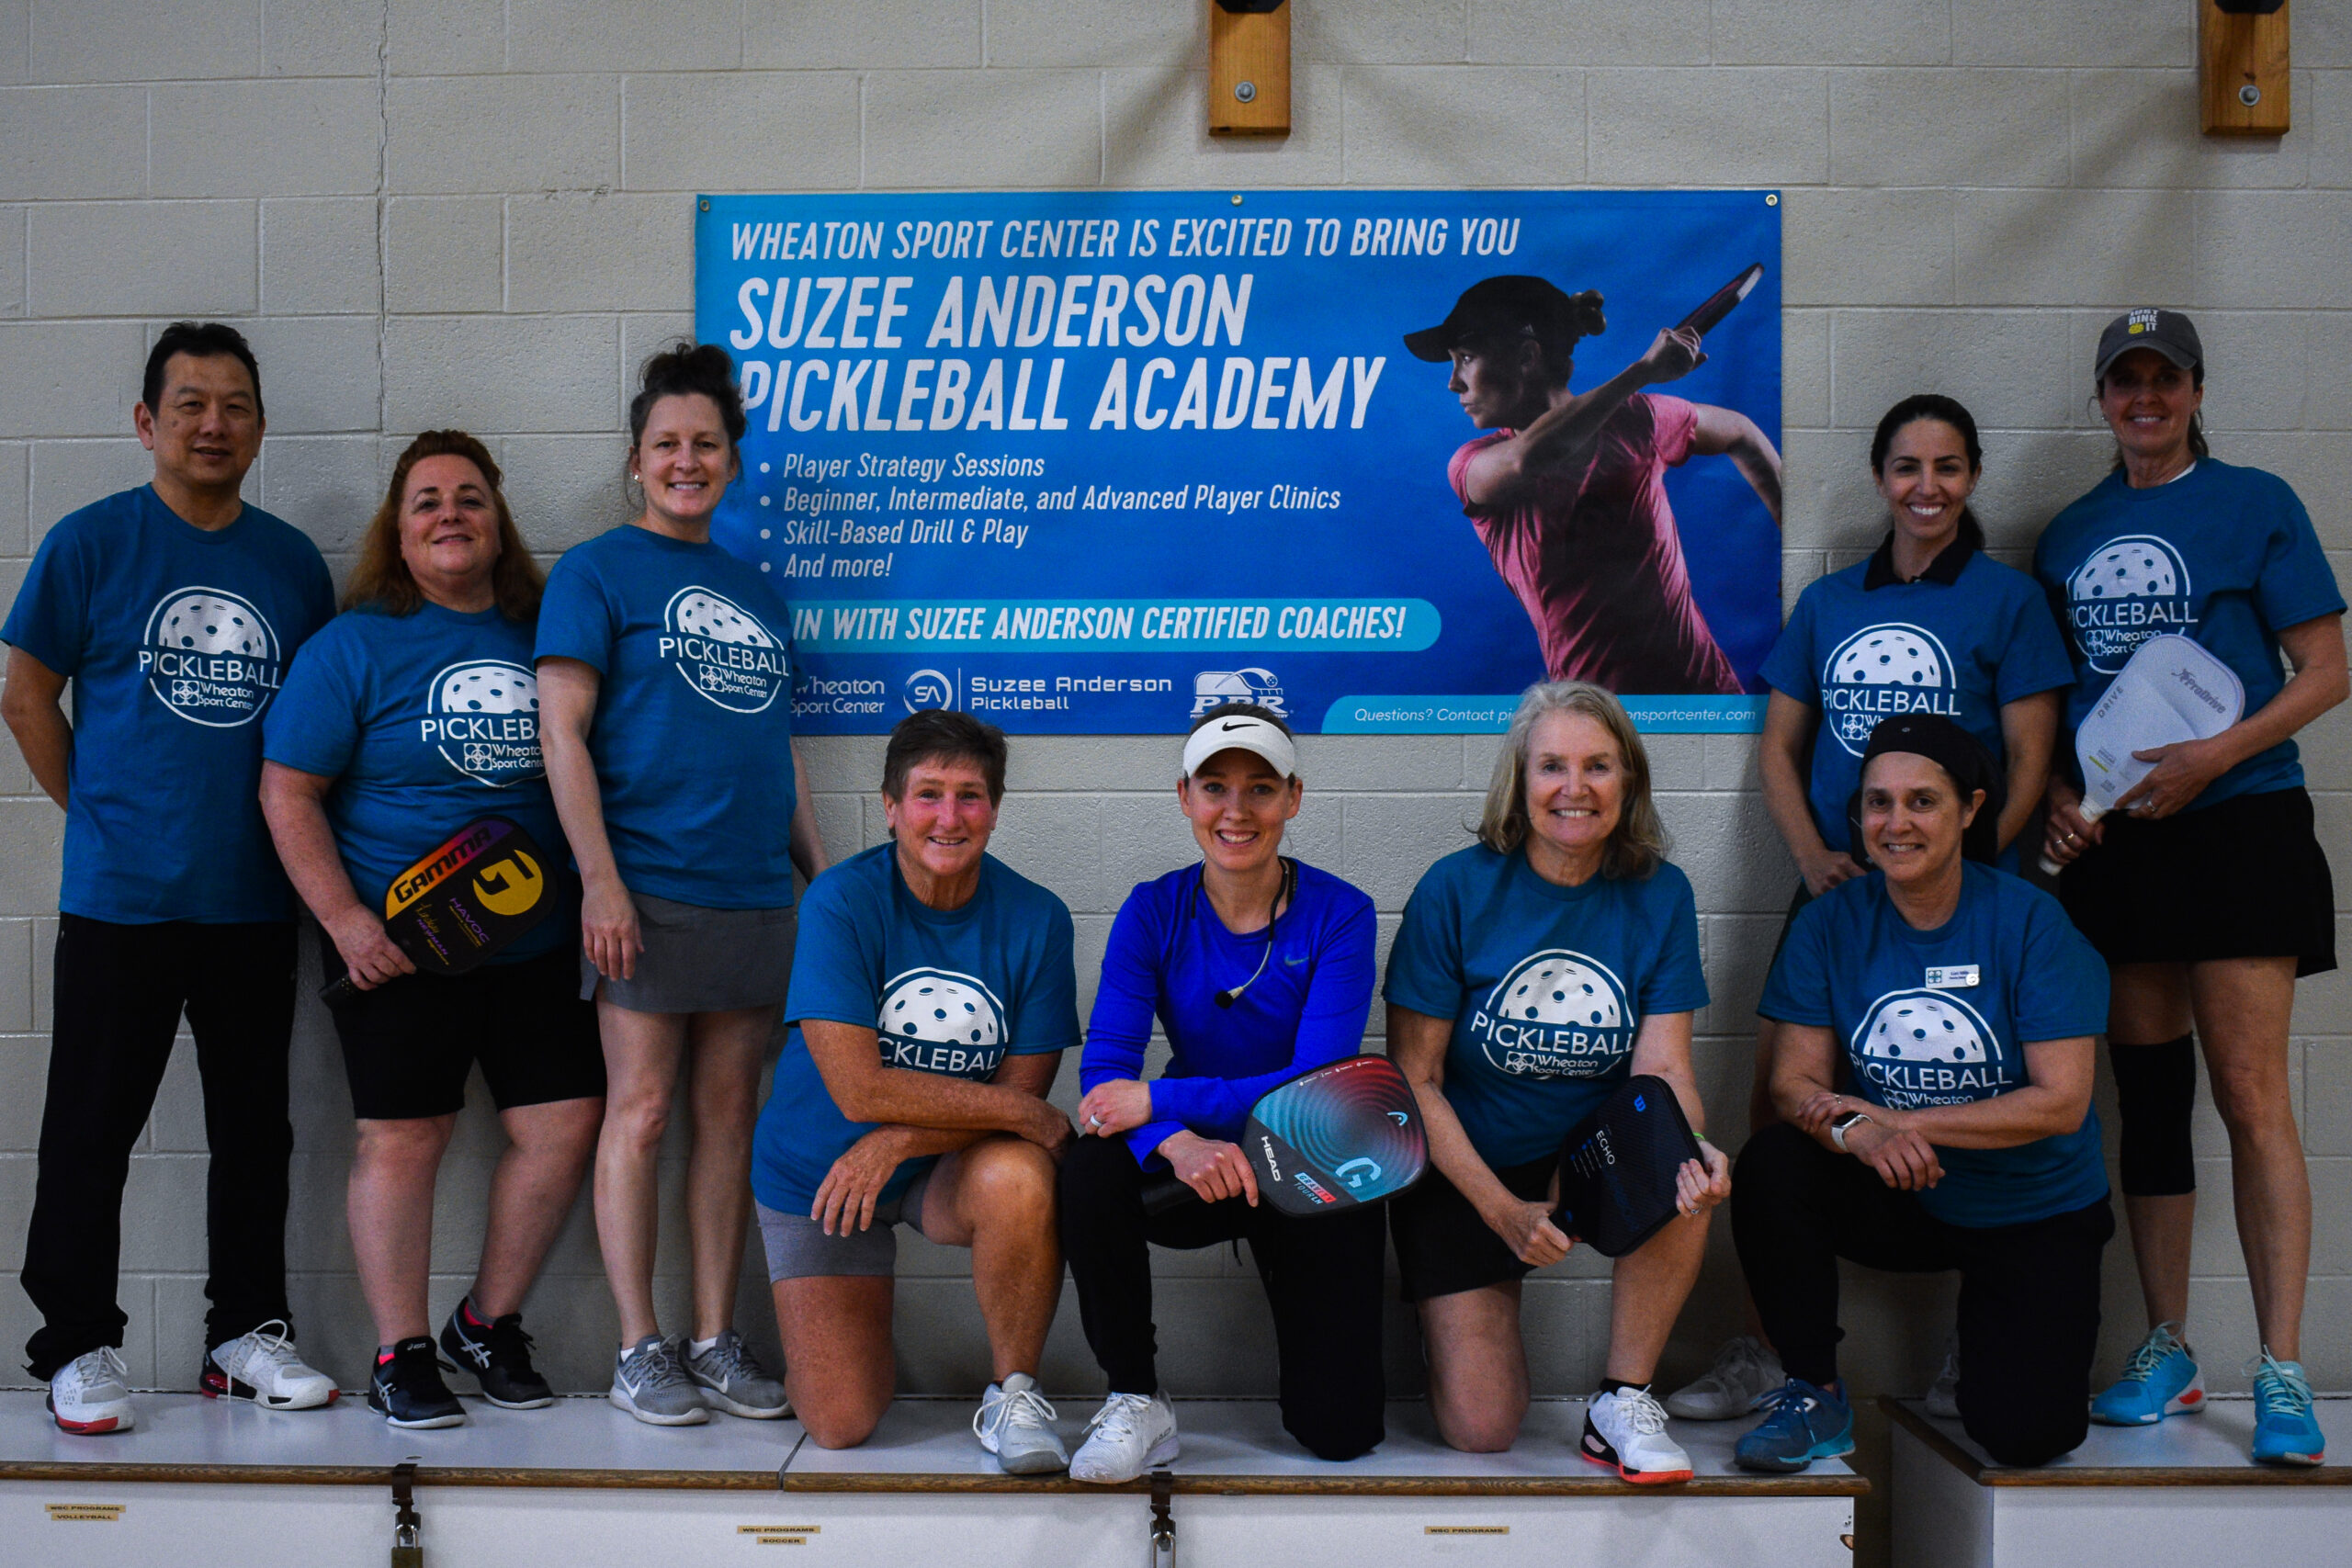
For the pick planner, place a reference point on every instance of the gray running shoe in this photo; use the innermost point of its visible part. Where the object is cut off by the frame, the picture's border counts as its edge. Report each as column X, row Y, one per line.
column 1014, row 1423
column 731, row 1379
column 1745, row 1377
column 649, row 1382
column 1944, row 1394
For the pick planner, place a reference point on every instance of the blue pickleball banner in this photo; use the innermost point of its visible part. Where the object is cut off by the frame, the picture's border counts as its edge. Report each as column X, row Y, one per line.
column 1090, row 462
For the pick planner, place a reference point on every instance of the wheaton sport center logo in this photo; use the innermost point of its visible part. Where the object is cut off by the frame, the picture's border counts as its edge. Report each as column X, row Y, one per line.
column 1883, row 670
column 1930, row 1047
column 1556, row 1015
column 723, row 651
column 2129, row 589
column 483, row 717
column 210, row 656
column 937, row 1021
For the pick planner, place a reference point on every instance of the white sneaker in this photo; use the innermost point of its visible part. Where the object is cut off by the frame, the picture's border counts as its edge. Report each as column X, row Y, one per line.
column 91, row 1394
column 1944, row 1394
column 261, row 1366
column 1015, row 1423
column 1626, row 1431
column 1128, row 1436
column 1746, row 1373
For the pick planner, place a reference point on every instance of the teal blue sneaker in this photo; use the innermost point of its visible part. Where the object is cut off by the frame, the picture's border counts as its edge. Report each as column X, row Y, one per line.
column 2285, row 1430
column 2160, row 1380
column 1803, row 1424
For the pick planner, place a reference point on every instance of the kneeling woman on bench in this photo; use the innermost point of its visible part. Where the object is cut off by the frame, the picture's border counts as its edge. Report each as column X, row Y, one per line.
column 1259, row 967
column 1536, row 971
column 1964, row 1003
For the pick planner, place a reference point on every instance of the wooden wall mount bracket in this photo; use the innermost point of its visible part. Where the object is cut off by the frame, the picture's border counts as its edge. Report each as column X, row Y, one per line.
column 1249, row 68
column 2243, row 68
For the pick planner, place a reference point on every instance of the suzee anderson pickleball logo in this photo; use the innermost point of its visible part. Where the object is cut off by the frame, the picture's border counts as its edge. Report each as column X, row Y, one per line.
column 2127, row 590
column 483, row 717
column 1556, row 1015
column 723, row 651
column 937, row 1021
column 1880, row 672
column 1924, row 1048
column 210, row 656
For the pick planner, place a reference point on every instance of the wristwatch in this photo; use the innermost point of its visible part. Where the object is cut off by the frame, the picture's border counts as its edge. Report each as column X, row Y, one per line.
column 1844, row 1124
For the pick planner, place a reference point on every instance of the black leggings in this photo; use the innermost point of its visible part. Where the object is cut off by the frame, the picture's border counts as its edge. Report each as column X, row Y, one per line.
column 2028, row 1293
column 120, row 993
column 1322, row 1279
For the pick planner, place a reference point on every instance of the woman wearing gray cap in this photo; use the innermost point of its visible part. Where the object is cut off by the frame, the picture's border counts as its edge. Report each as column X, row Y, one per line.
column 2206, row 890
column 1258, row 967
column 1567, row 490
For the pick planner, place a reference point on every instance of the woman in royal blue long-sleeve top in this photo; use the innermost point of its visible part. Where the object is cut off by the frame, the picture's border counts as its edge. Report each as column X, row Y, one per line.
column 1257, row 968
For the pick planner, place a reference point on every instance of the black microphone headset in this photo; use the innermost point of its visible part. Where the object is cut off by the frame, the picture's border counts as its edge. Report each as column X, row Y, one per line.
column 1282, row 899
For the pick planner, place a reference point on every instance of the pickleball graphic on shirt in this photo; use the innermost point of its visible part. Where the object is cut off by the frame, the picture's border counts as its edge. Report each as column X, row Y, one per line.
column 2127, row 590
column 937, row 1021
column 723, row 651
column 1557, row 1014
column 1928, row 1047
column 482, row 716
column 210, row 656
column 1880, row 672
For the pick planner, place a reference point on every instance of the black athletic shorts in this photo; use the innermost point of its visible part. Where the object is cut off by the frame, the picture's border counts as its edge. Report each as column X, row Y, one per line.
column 2243, row 879
column 1443, row 1247
column 408, row 1046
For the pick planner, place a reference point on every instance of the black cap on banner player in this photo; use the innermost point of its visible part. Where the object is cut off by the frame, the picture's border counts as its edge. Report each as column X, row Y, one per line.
column 1512, row 304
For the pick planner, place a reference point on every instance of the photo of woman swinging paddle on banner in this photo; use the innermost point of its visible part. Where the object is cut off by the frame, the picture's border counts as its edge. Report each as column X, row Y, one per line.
column 1567, row 490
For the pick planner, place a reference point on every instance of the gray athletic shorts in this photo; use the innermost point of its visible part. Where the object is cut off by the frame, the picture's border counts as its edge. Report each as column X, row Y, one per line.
column 798, row 1248
column 698, row 960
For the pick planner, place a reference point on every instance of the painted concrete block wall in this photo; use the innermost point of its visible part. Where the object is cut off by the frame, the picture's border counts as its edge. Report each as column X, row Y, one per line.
column 477, row 212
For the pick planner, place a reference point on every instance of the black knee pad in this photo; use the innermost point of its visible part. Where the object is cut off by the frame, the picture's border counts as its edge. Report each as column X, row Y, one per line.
column 2155, row 1089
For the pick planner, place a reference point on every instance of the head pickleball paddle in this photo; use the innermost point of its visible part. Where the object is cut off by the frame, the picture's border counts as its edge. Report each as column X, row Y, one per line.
column 1334, row 1137
column 463, row 900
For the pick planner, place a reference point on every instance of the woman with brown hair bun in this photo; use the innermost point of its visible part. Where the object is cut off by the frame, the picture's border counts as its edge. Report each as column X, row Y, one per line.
column 411, row 715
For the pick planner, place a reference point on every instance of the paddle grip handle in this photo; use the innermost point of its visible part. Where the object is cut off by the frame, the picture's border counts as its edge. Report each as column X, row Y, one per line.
column 2089, row 811
column 339, row 992
column 1167, row 1193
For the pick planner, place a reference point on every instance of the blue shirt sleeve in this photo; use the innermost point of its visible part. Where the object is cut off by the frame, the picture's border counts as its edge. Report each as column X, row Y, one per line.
column 1425, row 970
column 575, row 618
column 2034, row 658
column 1119, row 1030
column 1045, row 1017
column 2062, row 981
column 1676, row 982
column 1339, row 998
column 2296, row 583
column 314, row 725
column 50, row 620
column 1790, row 666
column 836, row 959
column 1797, row 991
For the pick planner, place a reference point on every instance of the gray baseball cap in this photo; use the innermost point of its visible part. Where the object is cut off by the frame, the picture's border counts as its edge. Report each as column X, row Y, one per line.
column 2169, row 333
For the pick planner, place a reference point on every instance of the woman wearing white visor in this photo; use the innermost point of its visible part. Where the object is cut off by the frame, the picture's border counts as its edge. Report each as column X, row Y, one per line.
column 1258, row 967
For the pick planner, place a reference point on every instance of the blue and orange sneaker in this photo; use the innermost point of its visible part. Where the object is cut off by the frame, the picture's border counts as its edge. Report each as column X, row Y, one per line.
column 2285, row 1430
column 2160, row 1380
column 1803, row 1424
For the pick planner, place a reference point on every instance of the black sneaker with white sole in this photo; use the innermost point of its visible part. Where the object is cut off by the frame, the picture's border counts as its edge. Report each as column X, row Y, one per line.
column 407, row 1391
column 499, row 1354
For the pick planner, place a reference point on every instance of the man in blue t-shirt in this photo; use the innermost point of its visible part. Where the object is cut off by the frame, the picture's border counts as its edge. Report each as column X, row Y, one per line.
column 173, row 608
column 932, row 994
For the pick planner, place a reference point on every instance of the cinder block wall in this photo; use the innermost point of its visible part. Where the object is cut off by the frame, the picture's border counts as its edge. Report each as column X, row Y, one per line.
column 477, row 212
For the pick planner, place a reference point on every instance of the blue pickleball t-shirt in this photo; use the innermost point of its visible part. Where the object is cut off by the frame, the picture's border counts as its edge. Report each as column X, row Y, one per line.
column 2222, row 555
column 1546, row 985
column 176, row 639
column 1942, row 1017
column 693, row 735
column 951, row 991
column 1861, row 646
column 425, row 721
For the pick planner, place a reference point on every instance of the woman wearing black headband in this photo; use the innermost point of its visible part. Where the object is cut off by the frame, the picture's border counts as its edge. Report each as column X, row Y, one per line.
column 1965, row 1003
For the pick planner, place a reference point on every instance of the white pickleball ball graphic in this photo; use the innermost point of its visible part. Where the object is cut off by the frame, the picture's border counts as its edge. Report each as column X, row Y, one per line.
column 208, row 623
column 940, row 1007
column 1889, row 655
column 489, row 686
column 1562, row 989
column 2135, row 567
column 1922, row 1026
column 698, row 612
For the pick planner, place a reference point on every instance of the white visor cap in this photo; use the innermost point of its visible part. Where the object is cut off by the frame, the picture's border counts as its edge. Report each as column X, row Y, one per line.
column 1243, row 732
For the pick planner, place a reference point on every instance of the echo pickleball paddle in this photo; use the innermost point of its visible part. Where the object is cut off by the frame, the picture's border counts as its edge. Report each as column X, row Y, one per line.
column 463, row 900
column 1617, row 1168
column 1334, row 1137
